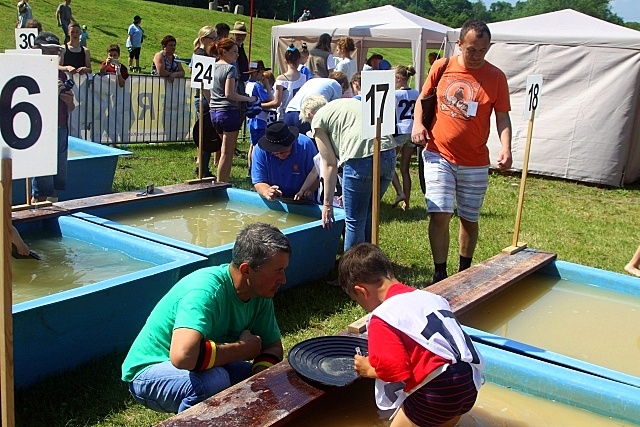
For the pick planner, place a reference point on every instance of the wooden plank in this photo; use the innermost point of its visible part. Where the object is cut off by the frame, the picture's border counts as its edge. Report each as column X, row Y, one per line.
column 270, row 398
column 278, row 394
column 77, row 205
column 480, row 282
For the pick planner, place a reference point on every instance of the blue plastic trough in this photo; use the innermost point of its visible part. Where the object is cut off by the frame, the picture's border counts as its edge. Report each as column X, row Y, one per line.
column 58, row 332
column 89, row 174
column 610, row 380
column 565, row 385
column 314, row 248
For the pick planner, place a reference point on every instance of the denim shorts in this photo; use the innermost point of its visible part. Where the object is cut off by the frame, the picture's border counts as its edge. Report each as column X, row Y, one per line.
column 225, row 120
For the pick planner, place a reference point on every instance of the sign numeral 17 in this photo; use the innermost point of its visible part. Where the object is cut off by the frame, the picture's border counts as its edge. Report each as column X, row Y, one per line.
column 371, row 96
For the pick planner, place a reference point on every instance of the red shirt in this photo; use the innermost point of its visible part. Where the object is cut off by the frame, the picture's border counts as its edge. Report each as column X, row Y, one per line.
column 112, row 70
column 394, row 355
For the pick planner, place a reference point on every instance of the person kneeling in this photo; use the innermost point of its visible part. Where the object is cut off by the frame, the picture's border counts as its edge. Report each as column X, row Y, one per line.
column 199, row 337
column 426, row 367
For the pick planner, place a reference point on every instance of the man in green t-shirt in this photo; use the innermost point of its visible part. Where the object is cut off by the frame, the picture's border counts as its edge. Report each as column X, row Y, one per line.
column 198, row 339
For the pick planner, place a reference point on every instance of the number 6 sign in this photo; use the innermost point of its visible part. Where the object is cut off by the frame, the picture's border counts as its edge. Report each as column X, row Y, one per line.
column 28, row 123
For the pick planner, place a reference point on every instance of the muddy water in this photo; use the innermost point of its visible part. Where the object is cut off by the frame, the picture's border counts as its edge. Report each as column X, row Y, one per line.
column 496, row 406
column 585, row 322
column 66, row 263
column 206, row 224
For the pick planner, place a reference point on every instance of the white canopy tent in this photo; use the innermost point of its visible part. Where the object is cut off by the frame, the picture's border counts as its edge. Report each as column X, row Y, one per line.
column 588, row 123
column 385, row 26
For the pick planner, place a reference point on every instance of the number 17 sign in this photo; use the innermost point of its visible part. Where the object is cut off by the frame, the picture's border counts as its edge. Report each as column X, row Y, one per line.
column 378, row 100
column 28, row 123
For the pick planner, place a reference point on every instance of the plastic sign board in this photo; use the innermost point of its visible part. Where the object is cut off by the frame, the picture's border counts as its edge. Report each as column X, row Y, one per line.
column 202, row 71
column 25, row 38
column 378, row 100
column 533, row 94
column 29, row 113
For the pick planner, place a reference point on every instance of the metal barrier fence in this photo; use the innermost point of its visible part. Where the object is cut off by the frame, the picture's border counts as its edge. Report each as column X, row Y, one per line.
column 146, row 109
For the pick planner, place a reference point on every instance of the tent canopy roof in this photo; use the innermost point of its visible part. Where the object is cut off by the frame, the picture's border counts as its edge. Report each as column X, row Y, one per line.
column 564, row 27
column 385, row 23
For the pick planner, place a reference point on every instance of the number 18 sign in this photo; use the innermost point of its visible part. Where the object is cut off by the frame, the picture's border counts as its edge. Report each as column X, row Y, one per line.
column 533, row 93
column 28, row 123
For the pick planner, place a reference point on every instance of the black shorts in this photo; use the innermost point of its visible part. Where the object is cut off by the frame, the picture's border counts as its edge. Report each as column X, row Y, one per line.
column 450, row 394
column 134, row 53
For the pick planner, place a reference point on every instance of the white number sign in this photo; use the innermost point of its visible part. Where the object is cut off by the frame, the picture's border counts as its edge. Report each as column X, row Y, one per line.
column 378, row 100
column 25, row 38
column 202, row 71
column 534, row 90
column 28, row 124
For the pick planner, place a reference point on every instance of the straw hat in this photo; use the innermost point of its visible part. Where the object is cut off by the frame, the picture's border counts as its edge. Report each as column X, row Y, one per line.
column 239, row 28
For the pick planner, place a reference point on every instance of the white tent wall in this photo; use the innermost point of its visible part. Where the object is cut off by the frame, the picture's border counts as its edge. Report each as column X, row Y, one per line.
column 385, row 26
column 588, row 124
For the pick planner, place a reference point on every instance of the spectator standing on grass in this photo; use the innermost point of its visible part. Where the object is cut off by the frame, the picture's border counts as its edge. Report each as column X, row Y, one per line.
column 75, row 59
column 117, row 122
column 64, row 17
column 84, row 36
column 456, row 157
column 405, row 103
column 222, row 29
column 203, row 45
column 135, row 37
column 224, row 104
column 44, row 187
column 287, row 83
column 260, row 87
column 24, row 13
column 199, row 338
column 164, row 62
column 345, row 49
column 321, row 62
column 238, row 35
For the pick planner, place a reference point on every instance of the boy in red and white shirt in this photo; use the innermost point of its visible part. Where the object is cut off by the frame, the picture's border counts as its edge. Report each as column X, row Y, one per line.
column 426, row 367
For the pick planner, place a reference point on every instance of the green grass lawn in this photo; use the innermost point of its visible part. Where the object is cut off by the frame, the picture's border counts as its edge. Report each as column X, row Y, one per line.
column 583, row 224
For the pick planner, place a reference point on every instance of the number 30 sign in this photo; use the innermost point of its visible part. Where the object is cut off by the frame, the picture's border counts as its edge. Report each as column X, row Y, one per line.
column 28, row 121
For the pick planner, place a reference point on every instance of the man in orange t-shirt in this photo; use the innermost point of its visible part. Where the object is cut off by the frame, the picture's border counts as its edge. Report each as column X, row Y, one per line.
column 456, row 158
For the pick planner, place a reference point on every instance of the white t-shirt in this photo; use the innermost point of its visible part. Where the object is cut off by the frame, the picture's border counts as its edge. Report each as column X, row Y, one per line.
column 347, row 66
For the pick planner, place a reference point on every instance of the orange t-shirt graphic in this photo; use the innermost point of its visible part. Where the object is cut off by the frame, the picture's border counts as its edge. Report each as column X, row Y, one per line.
column 460, row 130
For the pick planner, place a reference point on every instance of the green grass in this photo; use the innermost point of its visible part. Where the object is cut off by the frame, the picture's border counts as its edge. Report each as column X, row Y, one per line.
column 583, row 224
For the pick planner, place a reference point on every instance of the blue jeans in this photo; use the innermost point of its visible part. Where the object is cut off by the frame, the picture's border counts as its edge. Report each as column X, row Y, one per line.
column 165, row 388
column 357, row 189
column 46, row 186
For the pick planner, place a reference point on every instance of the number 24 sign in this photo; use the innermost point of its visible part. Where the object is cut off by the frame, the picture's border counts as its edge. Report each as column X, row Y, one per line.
column 28, row 124
column 202, row 71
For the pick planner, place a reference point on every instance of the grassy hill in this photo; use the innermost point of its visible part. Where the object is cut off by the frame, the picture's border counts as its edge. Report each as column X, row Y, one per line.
column 108, row 20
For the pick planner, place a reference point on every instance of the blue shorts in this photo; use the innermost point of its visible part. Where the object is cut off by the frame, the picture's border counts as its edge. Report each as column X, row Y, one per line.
column 449, row 395
column 46, row 186
column 225, row 120
column 445, row 181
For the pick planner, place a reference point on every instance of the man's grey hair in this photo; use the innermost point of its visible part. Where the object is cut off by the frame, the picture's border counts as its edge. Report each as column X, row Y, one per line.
column 311, row 105
column 257, row 243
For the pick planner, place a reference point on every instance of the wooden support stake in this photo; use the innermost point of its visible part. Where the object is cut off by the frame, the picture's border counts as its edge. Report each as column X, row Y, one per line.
column 201, row 138
column 517, row 246
column 375, row 196
column 6, row 343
